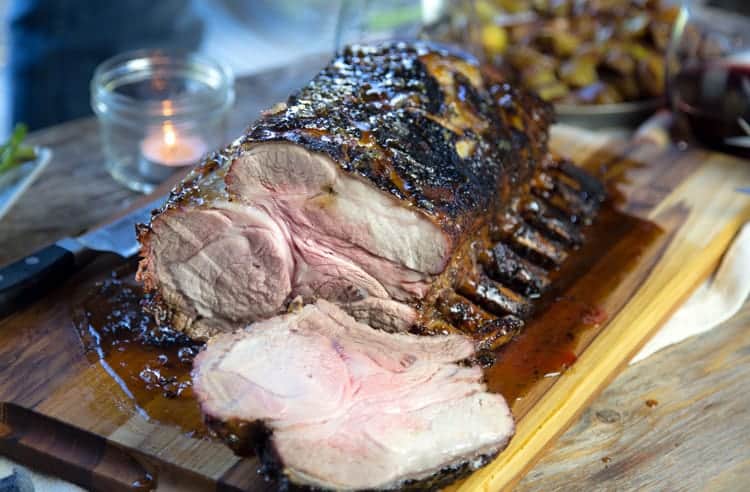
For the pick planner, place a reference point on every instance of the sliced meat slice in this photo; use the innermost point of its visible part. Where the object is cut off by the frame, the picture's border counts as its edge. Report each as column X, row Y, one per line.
column 225, row 258
column 313, row 192
column 219, row 263
column 377, row 408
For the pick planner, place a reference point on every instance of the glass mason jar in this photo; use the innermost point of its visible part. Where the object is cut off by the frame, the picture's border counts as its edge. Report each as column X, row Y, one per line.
column 159, row 112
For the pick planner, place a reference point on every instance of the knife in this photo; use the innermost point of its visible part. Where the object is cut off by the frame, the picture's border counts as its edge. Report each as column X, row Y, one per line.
column 29, row 278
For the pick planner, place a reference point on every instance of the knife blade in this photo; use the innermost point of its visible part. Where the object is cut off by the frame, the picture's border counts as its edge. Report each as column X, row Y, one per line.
column 30, row 277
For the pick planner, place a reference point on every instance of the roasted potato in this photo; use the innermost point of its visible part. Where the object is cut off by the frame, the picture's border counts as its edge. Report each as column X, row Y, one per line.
column 558, row 42
column 578, row 72
column 618, row 60
column 494, row 39
column 580, row 51
column 651, row 74
column 596, row 93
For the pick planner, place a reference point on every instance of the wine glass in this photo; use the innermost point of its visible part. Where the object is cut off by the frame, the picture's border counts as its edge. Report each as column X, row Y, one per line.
column 708, row 77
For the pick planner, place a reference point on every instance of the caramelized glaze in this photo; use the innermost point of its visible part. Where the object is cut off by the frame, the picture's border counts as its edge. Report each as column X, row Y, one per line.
column 150, row 363
column 574, row 309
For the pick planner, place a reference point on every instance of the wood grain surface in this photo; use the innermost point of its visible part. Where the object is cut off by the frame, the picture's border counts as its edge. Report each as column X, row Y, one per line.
column 675, row 421
column 700, row 385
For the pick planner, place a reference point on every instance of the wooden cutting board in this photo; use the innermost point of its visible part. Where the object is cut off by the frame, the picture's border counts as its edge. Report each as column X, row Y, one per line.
column 65, row 415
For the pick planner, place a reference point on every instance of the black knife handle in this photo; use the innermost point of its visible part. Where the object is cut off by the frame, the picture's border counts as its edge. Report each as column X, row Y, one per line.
column 29, row 278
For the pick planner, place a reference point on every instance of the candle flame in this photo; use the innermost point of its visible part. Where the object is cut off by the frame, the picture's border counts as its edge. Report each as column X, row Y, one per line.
column 170, row 138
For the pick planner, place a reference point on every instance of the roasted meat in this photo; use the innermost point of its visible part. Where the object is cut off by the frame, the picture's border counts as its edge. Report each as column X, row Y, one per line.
column 402, row 183
column 403, row 189
column 346, row 407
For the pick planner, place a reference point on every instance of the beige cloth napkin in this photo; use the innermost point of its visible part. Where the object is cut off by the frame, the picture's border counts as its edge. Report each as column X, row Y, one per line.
column 714, row 302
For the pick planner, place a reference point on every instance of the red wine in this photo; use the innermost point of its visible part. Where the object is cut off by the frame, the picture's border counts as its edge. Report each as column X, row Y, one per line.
column 714, row 100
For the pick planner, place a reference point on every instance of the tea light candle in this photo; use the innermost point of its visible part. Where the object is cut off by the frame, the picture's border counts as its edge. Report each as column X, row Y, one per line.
column 160, row 111
column 165, row 150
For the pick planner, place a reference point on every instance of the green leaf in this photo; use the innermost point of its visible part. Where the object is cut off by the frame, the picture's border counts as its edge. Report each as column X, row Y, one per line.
column 13, row 152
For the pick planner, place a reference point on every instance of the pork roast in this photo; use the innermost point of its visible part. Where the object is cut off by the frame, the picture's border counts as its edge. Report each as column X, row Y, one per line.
column 347, row 407
column 415, row 192
column 402, row 183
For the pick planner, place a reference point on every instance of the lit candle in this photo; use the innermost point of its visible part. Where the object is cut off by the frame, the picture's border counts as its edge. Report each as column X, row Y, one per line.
column 165, row 150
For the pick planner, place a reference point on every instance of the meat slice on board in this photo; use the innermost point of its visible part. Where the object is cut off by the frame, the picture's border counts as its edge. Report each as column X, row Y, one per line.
column 347, row 407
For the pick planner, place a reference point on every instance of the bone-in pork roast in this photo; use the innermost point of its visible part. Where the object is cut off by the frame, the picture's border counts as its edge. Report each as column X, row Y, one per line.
column 415, row 193
column 401, row 183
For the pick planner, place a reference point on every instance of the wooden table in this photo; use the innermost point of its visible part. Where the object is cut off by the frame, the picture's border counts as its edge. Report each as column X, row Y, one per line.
column 679, row 420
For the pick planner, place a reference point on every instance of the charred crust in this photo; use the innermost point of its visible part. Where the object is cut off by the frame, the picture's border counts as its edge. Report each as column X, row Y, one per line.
column 244, row 438
column 155, row 306
column 495, row 278
column 272, row 469
column 393, row 114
